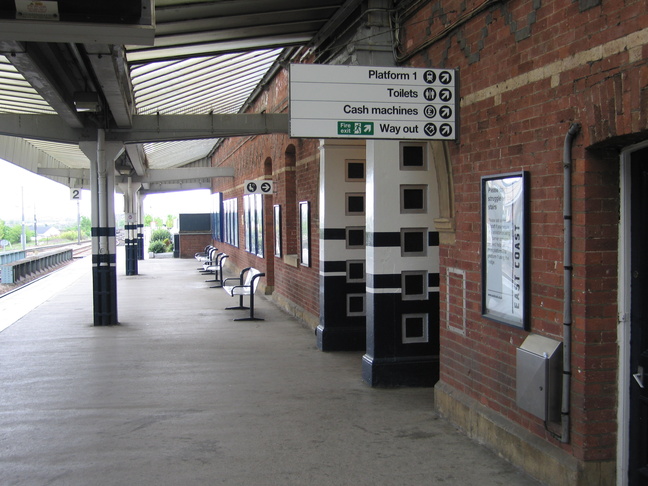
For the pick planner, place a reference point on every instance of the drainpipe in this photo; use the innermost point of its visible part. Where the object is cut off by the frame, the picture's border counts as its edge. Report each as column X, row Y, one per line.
column 567, row 307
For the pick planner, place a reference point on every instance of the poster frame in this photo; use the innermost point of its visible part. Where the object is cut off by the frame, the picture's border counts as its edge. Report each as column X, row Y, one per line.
column 512, row 271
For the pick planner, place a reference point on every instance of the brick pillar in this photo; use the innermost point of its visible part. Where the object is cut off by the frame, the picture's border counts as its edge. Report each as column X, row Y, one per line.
column 342, row 246
column 402, row 267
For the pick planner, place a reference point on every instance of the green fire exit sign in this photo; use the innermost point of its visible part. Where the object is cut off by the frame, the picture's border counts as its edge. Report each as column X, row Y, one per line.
column 355, row 128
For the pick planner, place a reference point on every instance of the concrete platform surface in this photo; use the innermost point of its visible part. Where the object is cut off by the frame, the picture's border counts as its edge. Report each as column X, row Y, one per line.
column 179, row 394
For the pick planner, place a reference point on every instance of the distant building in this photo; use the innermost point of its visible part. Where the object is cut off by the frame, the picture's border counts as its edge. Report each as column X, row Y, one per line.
column 47, row 232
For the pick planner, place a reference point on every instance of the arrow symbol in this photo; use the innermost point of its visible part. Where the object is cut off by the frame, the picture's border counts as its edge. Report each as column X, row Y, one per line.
column 445, row 112
column 265, row 187
column 367, row 129
column 430, row 129
column 445, row 94
column 445, row 77
column 446, row 130
column 252, row 187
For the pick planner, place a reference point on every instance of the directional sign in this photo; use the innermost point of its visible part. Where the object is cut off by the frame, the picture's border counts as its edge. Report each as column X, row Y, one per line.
column 373, row 102
column 259, row 187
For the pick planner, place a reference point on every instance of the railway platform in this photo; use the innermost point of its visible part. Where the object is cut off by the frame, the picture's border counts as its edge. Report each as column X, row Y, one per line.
column 180, row 394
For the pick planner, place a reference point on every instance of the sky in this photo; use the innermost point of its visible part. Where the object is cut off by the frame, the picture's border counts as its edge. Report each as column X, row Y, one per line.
column 50, row 201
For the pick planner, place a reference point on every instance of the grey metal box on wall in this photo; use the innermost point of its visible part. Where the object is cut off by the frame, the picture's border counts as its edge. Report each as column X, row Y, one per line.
column 538, row 377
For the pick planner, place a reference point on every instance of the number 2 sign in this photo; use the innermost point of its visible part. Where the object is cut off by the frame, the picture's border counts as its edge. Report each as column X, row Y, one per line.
column 75, row 193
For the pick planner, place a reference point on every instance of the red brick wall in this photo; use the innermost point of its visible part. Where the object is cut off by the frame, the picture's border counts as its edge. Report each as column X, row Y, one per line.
column 190, row 244
column 527, row 71
column 295, row 170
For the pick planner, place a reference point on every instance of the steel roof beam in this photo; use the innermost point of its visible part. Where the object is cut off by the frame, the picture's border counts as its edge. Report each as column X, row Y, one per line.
column 111, row 72
column 147, row 128
column 137, row 157
column 177, row 175
column 40, row 64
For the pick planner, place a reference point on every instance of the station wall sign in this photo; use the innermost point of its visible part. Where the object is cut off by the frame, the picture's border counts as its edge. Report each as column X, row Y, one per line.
column 373, row 102
column 260, row 186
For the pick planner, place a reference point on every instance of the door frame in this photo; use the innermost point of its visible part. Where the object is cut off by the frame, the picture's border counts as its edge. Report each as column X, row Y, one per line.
column 624, row 323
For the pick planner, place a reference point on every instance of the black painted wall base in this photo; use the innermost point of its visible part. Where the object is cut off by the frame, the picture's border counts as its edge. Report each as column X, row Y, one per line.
column 341, row 338
column 104, row 284
column 421, row 371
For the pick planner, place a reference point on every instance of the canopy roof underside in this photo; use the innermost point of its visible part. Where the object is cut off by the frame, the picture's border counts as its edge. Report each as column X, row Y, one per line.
column 202, row 58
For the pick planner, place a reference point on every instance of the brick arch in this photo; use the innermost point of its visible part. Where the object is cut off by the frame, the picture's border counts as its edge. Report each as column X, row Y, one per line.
column 445, row 223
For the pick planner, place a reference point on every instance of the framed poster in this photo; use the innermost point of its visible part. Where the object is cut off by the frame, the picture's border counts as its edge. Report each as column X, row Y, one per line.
column 304, row 233
column 276, row 211
column 505, row 275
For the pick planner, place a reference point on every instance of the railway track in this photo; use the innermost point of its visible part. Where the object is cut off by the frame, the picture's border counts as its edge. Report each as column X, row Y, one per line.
column 78, row 251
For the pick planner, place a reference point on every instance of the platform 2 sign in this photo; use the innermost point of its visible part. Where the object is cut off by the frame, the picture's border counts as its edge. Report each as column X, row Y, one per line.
column 373, row 102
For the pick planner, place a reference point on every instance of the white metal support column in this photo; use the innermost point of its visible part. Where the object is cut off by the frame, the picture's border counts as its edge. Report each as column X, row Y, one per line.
column 102, row 157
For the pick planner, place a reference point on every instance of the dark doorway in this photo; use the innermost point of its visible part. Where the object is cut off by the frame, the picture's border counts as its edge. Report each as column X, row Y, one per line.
column 638, row 467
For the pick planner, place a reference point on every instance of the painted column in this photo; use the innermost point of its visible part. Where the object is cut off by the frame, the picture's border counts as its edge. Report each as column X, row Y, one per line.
column 402, row 266
column 102, row 157
column 140, row 225
column 342, row 251
column 130, row 227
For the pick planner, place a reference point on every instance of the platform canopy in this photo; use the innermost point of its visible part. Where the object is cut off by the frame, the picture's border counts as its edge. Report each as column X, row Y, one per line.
column 168, row 78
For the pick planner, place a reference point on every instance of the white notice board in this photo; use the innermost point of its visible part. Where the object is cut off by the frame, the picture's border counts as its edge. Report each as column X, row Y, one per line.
column 373, row 102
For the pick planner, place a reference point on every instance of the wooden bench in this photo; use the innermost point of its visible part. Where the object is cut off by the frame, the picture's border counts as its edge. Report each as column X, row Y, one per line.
column 217, row 270
column 247, row 284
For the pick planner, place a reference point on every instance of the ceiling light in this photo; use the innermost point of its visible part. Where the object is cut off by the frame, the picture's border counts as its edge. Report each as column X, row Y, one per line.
column 84, row 102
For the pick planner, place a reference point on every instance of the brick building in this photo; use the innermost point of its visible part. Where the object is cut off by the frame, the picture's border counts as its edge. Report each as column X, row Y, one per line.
column 378, row 245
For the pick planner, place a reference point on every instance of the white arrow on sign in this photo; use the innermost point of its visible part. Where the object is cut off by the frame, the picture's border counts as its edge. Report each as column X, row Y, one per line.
column 445, row 77
column 445, row 94
column 445, row 112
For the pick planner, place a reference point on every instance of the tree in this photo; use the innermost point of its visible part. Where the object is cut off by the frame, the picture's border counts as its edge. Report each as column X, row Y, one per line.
column 3, row 229
column 86, row 226
column 14, row 234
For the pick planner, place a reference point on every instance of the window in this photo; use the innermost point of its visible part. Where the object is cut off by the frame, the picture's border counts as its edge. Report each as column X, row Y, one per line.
column 230, row 222
column 356, row 305
column 413, row 156
column 355, row 203
column 304, row 233
column 413, row 199
column 355, row 170
column 277, row 229
column 217, row 216
column 415, row 328
column 414, row 284
column 253, row 220
column 355, row 271
column 355, row 237
column 414, row 242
